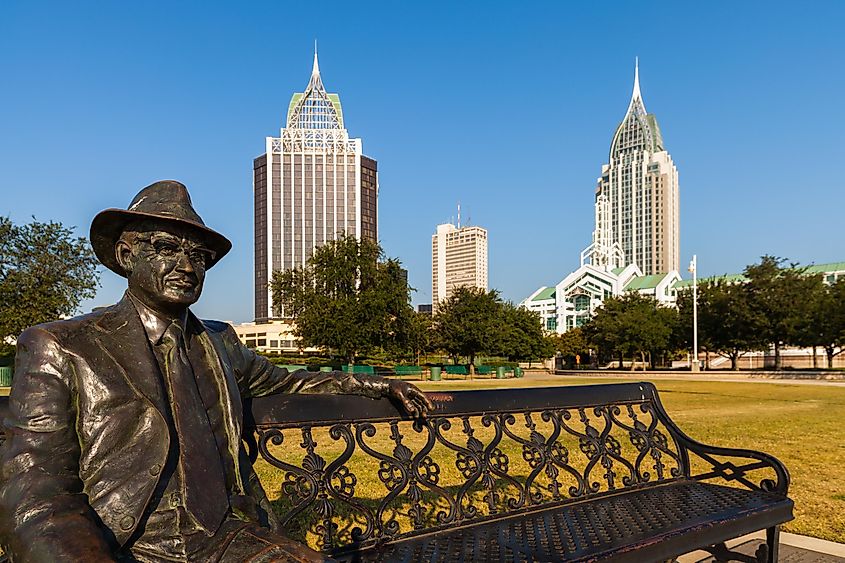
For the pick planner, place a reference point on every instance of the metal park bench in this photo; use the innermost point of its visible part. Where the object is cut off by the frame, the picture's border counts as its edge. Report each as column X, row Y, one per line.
column 582, row 473
column 456, row 370
column 464, row 370
column 407, row 370
column 358, row 368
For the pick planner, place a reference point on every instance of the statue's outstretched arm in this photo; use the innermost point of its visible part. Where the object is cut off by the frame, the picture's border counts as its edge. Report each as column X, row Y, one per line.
column 259, row 377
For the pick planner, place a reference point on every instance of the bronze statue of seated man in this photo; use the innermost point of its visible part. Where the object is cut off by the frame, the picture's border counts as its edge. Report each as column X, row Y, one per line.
column 124, row 433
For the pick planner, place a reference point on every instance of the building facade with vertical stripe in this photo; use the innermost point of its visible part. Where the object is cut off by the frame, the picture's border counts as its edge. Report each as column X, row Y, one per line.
column 312, row 184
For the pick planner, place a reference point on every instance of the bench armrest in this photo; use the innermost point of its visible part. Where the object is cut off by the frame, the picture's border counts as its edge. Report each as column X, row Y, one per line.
column 730, row 470
column 736, row 467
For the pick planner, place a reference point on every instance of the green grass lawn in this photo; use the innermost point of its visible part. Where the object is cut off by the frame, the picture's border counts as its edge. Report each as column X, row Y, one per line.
column 799, row 424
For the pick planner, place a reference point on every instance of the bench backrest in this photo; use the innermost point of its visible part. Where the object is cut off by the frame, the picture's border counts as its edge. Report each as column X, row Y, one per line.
column 348, row 471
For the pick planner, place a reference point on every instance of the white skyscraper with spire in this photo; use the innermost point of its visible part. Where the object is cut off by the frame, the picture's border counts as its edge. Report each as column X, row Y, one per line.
column 637, row 212
column 312, row 184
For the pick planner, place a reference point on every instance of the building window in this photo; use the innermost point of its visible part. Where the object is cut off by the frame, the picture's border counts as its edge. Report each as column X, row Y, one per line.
column 581, row 302
column 551, row 323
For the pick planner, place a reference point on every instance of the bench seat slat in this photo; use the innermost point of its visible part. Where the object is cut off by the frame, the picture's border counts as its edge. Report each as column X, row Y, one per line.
column 660, row 522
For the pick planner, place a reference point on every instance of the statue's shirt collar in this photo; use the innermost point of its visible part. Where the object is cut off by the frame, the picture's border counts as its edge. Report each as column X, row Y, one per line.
column 154, row 325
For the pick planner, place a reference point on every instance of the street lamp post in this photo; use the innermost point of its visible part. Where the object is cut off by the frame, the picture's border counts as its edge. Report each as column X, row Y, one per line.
column 692, row 268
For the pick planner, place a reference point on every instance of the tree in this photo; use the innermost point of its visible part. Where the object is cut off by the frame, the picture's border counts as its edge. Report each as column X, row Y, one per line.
column 45, row 273
column 727, row 323
column 603, row 331
column 467, row 322
column 421, row 336
column 572, row 344
column 777, row 297
column 663, row 321
column 682, row 336
column 520, row 334
column 347, row 298
column 630, row 325
column 824, row 323
column 809, row 329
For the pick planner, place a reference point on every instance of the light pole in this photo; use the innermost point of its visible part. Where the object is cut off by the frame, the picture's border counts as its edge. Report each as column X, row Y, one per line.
column 692, row 268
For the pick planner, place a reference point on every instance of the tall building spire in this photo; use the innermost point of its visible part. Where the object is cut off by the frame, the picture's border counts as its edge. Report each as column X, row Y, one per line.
column 636, row 94
column 316, row 83
column 638, row 130
column 315, row 108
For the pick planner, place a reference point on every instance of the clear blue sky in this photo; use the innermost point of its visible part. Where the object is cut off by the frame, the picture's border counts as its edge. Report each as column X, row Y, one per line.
column 506, row 107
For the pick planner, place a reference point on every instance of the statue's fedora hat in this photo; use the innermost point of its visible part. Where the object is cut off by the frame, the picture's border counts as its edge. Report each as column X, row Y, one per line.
column 166, row 201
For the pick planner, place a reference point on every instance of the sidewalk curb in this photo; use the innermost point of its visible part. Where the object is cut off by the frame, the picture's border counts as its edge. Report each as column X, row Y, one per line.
column 813, row 544
column 816, row 545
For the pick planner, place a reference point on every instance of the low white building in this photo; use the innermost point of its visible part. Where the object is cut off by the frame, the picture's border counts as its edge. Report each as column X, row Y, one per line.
column 573, row 301
column 575, row 298
column 274, row 337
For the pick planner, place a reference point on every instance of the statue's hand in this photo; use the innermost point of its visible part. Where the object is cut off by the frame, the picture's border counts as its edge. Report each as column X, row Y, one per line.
column 412, row 399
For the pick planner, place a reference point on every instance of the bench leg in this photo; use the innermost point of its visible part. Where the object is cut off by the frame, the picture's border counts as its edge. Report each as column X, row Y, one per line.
column 772, row 541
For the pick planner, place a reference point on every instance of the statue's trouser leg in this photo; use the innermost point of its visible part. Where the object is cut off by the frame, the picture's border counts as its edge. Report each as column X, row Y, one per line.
column 236, row 541
column 251, row 543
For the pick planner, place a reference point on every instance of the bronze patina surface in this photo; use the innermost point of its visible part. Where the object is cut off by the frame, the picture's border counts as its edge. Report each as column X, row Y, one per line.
column 125, row 425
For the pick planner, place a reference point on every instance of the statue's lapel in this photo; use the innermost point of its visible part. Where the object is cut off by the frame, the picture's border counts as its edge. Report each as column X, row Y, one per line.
column 122, row 337
column 222, row 374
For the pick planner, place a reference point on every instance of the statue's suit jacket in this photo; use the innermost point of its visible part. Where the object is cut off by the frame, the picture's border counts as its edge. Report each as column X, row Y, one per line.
column 87, row 437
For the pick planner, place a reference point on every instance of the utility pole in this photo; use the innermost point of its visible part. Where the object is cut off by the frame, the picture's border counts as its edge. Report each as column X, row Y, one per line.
column 692, row 268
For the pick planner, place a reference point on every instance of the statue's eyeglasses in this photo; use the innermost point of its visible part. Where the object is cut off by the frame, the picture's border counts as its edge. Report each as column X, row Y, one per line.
column 170, row 247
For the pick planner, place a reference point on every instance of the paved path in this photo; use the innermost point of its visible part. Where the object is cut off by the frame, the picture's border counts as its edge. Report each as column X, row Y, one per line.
column 793, row 549
column 534, row 377
column 688, row 376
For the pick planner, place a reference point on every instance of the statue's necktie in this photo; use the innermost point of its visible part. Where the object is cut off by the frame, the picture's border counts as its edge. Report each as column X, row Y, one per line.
column 206, row 498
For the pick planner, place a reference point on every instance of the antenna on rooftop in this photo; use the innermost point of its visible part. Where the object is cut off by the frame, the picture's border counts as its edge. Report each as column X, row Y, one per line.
column 459, row 214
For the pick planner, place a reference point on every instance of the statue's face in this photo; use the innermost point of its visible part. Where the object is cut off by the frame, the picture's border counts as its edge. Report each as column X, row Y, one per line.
column 165, row 265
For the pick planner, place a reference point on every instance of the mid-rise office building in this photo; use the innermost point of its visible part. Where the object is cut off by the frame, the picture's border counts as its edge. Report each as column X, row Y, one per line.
column 637, row 212
column 272, row 337
column 458, row 258
column 311, row 185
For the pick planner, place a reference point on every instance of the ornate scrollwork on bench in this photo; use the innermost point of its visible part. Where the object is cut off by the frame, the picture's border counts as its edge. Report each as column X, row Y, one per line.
column 370, row 481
